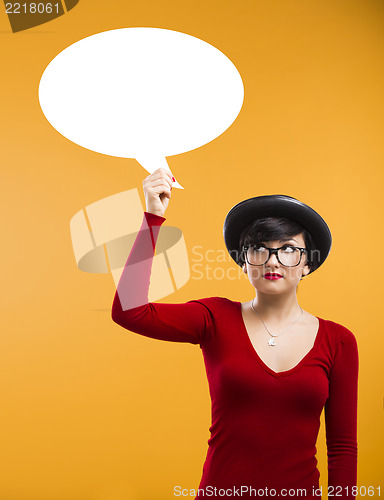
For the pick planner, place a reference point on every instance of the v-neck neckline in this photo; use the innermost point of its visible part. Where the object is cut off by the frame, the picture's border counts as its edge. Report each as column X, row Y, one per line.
column 263, row 364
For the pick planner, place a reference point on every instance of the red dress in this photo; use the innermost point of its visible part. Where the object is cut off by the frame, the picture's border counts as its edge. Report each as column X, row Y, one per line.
column 264, row 424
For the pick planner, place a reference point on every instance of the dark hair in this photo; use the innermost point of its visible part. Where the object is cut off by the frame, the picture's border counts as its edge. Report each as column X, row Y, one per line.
column 276, row 228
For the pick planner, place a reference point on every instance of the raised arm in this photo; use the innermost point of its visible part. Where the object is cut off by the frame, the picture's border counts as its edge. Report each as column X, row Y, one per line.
column 187, row 322
column 341, row 418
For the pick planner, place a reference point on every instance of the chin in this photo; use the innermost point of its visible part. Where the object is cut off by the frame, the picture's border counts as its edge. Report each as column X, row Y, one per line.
column 269, row 290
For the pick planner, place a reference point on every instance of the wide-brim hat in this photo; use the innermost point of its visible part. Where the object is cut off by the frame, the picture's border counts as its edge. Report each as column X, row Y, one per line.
column 276, row 205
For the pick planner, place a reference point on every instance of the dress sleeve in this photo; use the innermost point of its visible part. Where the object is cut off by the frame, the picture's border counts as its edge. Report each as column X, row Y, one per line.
column 186, row 322
column 341, row 418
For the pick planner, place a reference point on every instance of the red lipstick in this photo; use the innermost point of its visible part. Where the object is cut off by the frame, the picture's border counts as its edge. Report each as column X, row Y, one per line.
column 272, row 276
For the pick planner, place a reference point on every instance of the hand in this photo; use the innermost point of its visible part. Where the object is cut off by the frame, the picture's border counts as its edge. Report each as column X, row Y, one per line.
column 157, row 191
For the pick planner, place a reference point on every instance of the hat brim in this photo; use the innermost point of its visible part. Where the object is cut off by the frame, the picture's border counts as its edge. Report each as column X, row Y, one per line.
column 247, row 211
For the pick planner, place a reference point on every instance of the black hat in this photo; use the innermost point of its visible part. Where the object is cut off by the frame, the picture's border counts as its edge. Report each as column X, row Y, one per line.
column 276, row 205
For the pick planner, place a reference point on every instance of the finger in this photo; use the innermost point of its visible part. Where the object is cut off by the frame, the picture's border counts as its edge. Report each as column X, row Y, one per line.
column 167, row 195
column 159, row 190
column 161, row 172
column 164, row 170
column 161, row 182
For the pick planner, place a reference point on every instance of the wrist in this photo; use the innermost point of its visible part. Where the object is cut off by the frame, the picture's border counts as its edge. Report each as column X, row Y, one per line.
column 154, row 216
column 158, row 214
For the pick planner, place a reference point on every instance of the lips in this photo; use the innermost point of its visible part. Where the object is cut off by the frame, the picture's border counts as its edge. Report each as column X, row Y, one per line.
column 272, row 276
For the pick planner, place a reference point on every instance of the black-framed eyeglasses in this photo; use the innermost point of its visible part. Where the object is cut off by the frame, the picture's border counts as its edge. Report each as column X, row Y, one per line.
column 259, row 254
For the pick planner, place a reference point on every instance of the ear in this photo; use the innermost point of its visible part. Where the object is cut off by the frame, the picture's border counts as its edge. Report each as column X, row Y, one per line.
column 306, row 270
column 244, row 268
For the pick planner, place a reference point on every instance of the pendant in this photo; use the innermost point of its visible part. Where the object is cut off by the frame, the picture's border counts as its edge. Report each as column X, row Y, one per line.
column 271, row 341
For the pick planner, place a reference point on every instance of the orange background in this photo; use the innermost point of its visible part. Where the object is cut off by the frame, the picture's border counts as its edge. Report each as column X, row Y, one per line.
column 90, row 411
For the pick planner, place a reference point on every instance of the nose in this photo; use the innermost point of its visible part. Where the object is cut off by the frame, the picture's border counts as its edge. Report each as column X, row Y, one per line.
column 272, row 260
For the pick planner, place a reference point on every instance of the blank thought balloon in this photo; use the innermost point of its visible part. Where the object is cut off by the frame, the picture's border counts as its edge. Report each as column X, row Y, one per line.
column 144, row 93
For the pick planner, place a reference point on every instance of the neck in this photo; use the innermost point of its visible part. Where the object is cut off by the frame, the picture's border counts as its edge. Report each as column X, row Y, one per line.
column 276, row 307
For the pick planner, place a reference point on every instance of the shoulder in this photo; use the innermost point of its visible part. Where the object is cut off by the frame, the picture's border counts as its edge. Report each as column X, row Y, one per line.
column 220, row 308
column 342, row 343
column 217, row 303
column 338, row 332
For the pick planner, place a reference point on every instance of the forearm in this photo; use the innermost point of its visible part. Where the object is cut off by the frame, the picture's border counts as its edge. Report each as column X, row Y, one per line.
column 185, row 322
column 132, row 290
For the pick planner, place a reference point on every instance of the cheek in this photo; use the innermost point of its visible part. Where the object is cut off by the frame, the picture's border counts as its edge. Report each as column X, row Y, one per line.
column 254, row 273
column 295, row 273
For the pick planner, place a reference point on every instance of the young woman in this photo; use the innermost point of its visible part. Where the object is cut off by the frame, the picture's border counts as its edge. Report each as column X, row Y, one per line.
column 271, row 366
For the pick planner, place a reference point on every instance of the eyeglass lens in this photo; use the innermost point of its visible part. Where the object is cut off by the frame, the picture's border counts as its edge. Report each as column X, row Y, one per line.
column 259, row 255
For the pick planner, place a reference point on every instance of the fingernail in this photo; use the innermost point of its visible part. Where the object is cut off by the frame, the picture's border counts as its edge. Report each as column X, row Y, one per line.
column 174, row 180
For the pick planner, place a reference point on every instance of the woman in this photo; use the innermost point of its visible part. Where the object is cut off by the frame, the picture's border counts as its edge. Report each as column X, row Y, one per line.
column 271, row 366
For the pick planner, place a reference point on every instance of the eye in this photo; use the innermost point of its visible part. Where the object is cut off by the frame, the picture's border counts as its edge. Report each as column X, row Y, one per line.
column 258, row 247
column 288, row 249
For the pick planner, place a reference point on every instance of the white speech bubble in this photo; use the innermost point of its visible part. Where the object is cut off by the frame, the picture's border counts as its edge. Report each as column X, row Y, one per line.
column 144, row 93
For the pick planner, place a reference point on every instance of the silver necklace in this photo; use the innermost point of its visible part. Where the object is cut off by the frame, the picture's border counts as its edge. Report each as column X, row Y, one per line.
column 271, row 341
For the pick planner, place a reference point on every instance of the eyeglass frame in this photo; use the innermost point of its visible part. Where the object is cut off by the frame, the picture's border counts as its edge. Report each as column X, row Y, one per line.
column 271, row 252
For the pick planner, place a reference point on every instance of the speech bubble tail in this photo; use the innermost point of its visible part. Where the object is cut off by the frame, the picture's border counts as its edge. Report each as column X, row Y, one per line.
column 177, row 185
column 152, row 163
